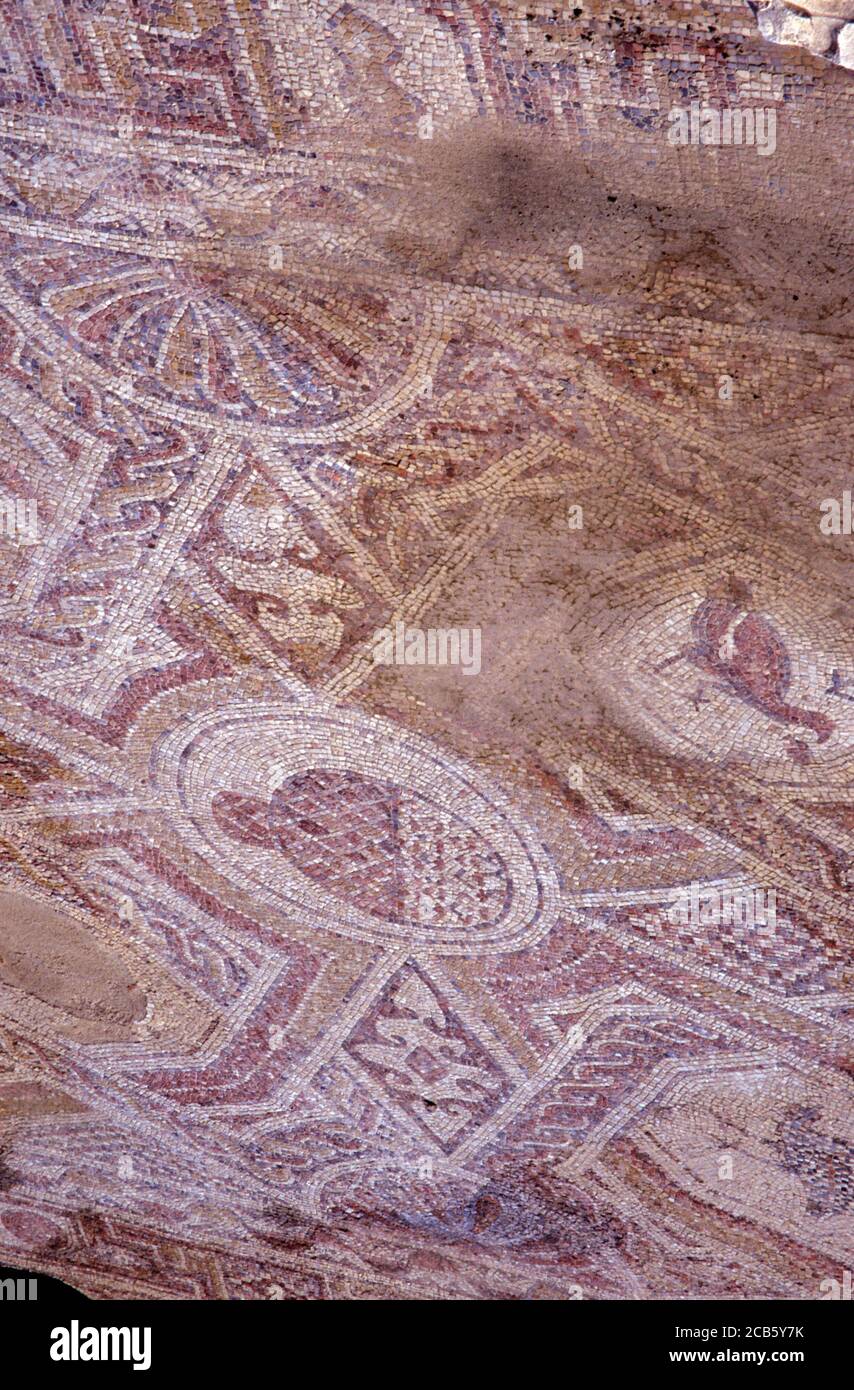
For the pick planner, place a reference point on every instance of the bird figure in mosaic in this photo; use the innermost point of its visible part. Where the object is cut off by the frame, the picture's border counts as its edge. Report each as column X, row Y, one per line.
column 746, row 657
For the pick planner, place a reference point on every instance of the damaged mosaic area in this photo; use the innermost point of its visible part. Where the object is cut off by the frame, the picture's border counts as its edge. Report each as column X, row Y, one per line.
column 324, row 976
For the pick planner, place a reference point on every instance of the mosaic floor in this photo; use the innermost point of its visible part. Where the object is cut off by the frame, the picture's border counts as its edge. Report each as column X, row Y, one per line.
column 427, row 667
